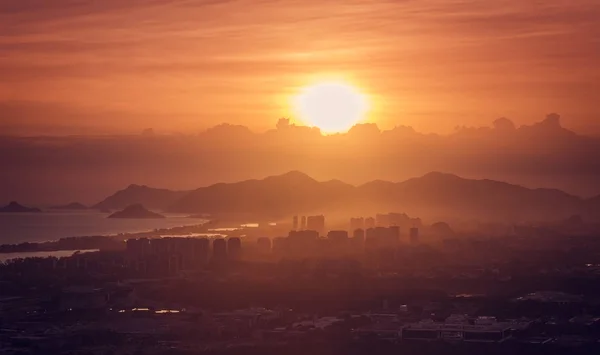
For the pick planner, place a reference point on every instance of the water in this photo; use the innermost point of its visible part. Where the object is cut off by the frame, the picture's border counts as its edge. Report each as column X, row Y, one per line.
column 39, row 227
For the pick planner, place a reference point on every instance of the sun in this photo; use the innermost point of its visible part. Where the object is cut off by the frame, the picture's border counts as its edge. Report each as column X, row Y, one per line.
column 333, row 107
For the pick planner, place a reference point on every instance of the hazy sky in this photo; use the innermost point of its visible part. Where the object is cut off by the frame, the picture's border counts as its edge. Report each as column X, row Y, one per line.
column 73, row 66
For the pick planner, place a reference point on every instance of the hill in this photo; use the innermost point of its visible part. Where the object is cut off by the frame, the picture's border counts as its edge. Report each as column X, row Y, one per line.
column 140, row 194
column 442, row 195
column 274, row 197
column 15, row 207
column 135, row 211
column 434, row 195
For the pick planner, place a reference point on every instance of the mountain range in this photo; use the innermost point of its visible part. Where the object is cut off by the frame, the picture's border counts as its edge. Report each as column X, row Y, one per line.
column 434, row 195
column 149, row 197
column 86, row 168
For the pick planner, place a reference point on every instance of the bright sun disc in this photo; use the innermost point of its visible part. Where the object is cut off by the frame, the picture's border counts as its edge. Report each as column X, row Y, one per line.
column 333, row 107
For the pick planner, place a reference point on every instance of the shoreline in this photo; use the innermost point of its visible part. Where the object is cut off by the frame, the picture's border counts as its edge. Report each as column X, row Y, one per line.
column 112, row 242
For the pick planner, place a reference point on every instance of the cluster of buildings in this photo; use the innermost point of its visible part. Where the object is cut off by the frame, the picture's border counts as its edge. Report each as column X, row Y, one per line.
column 307, row 238
column 462, row 328
column 313, row 223
column 170, row 255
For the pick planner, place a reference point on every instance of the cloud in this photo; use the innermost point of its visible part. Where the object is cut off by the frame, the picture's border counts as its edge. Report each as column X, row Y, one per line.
column 518, row 53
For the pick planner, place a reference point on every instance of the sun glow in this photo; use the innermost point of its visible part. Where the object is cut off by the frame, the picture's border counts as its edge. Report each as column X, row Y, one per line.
column 331, row 106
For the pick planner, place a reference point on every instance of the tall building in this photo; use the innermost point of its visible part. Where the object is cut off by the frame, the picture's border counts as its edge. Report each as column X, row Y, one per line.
column 359, row 234
column 414, row 235
column 337, row 235
column 295, row 223
column 219, row 249
column 138, row 247
column 234, row 248
column 302, row 243
column 358, row 240
column 338, row 240
column 264, row 245
column 382, row 237
column 280, row 245
column 303, row 223
column 357, row 223
column 394, row 235
column 201, row 250
column 382, row 220
column 316, row 223
column 369, row 222
column 371, row 240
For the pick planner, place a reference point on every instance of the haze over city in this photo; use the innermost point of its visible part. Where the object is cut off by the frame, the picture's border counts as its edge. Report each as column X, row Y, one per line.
column 241, row 177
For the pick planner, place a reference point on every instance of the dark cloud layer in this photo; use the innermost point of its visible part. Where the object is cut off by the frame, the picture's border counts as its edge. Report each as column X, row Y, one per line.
column 86, row 169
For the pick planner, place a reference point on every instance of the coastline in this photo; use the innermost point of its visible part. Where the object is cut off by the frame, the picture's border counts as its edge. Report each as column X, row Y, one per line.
column 112, row 242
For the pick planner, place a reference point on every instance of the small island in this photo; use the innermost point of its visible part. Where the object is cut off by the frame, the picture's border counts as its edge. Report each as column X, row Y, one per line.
column 15, row 207
column 135, row 211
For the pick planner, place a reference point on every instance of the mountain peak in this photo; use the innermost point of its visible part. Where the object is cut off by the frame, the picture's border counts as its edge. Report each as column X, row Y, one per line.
column 135, row 211
column 14, row 206
column 438, row 175
column 293, row 175
column 135, row 186
column 552, row 120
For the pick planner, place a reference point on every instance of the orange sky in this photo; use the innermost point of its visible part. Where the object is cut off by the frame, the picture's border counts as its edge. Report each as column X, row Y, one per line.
column 180, row 65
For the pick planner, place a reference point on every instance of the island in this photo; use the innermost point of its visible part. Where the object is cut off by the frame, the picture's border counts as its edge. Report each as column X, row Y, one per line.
column 135, row 211
column 15, row 207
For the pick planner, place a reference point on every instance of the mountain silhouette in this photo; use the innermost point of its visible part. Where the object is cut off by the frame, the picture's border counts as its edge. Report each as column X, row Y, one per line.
column 592, row 208
column 440, row 194
column 434, row 195
column 135, row 211
column 274, row 196
column 15, row 207
column 544, row 154
column 140, row 194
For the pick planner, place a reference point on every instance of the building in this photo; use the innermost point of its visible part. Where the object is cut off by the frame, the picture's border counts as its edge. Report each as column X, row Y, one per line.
column 357, row 223
column 339, row 236
column 338, row 240
column 219, row 249
column 295, row 223
column 302, row 243
column 234, row 248
column 414, row 235
column 316, row 223
column 382, row 220
column 264, row 245
column 138, row 247
column 382, row 237
column 358, row 240
column 201, row 251
column 393, row 236
column 303, row 223
column 369, row 222
column 459, row 328
column 359, row 234
column 280, row 245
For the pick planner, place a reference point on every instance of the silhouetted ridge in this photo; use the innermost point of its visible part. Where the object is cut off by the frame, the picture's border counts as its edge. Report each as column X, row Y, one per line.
column 15, row 207
column 292, row 177
column 273, row 197
column 135, row 211
column 142, row 194
column 435, row 194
